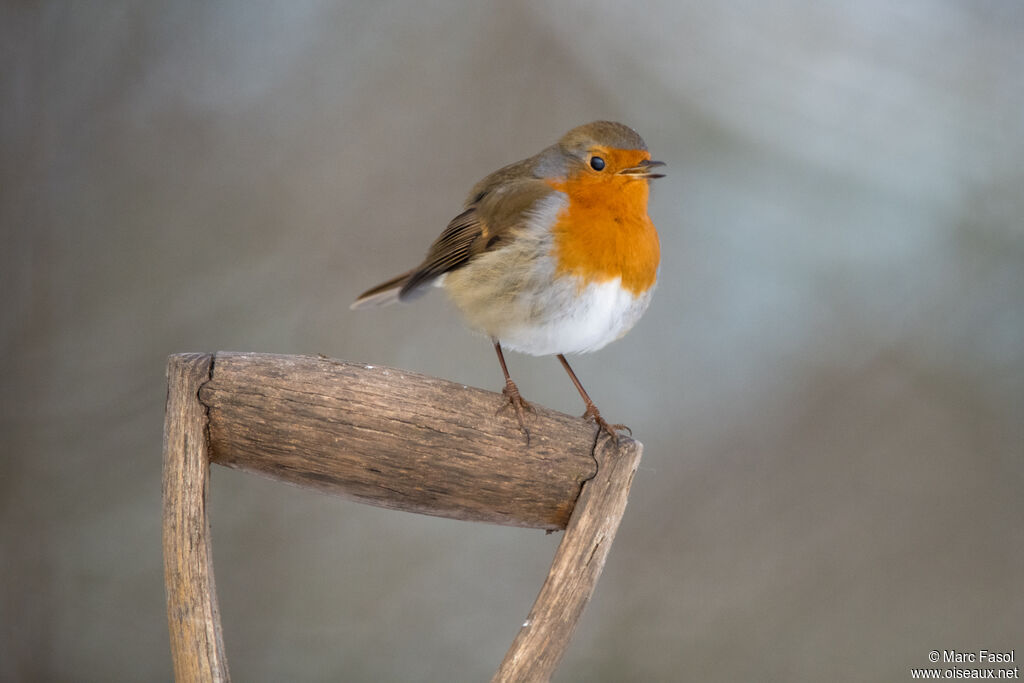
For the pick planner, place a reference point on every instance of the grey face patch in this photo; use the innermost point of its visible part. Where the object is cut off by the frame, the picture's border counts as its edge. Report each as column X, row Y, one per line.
column 600, row 133
column 550, row 163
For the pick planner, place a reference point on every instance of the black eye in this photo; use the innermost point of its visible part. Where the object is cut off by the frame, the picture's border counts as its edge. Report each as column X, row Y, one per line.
column 597, row 163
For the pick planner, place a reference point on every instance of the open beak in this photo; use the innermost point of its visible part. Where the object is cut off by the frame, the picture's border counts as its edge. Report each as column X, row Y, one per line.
column 643, row 170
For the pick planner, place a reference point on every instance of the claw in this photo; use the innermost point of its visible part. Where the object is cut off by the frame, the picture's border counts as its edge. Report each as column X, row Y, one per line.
column 612, row 430
column 516, row 401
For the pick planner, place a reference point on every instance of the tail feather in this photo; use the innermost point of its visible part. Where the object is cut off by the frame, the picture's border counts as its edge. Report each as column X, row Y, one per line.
column 383, row 294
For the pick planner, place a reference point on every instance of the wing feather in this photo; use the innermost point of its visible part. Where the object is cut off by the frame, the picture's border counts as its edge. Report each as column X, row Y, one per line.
column 496, row 210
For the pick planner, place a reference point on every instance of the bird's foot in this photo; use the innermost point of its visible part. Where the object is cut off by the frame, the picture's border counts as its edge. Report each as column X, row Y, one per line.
column 612, row 430
column 519, row 404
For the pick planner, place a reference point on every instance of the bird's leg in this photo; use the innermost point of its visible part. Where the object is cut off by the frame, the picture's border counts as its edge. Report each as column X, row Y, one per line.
column 511, row 392
column 592, row 413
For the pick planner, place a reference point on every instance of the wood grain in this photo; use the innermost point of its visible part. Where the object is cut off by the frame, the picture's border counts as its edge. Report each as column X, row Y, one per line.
column 545, row 635
column 396, row 439
column 197, row 646
column 391, row 438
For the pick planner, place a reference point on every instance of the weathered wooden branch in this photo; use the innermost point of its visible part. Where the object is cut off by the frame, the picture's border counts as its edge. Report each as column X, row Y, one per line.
column 197, row 645
column 396, row 439
column 544, row 636
column 389, row 438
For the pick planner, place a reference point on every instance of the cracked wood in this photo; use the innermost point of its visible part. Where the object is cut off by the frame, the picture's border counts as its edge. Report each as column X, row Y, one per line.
column 395, row 439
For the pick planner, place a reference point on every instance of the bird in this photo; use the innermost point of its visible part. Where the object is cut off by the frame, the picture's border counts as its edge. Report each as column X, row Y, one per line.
column 551, row 255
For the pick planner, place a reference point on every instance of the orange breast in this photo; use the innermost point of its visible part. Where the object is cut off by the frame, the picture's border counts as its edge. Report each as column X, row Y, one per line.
column 604, row 232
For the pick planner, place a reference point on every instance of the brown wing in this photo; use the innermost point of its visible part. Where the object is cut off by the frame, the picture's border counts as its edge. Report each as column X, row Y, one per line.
column 452, row 249
column 490, row 220
column 496, row 208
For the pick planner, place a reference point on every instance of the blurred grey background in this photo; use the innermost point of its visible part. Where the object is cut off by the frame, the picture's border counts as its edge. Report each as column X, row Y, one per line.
column 829, row 384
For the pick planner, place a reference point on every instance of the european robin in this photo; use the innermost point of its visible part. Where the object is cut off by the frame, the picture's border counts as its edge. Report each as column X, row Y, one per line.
column 554, row 254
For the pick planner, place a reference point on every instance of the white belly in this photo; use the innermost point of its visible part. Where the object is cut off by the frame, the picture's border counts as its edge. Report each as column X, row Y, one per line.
column 562, row 319
column 597, row 316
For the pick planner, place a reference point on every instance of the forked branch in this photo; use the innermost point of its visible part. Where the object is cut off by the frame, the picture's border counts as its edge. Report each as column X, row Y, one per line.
column 390, row 438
